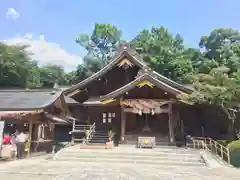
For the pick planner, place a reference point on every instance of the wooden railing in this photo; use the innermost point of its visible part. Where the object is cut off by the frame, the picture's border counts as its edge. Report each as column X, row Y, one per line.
column 212, row 146
column 80, row 128
column 91, row 131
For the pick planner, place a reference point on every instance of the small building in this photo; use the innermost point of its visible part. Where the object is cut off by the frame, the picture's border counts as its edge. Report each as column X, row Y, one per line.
column 38, row 112
column 131, row 99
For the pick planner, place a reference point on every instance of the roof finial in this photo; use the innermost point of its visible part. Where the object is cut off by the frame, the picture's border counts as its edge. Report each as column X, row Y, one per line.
column 124, row 46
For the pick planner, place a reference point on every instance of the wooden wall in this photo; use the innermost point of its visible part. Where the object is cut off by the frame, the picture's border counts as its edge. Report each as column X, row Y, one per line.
column 204, row 120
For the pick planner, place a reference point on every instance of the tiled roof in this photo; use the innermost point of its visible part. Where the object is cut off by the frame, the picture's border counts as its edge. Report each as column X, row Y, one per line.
column 27, row 99
column 137, row 60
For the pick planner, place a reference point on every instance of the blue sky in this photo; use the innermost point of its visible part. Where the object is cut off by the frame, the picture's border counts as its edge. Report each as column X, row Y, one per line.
column 60, row 21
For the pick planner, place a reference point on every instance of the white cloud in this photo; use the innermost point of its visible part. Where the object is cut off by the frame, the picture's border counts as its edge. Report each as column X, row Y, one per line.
column 28, row 36
column 12, row 14
column 47, row 52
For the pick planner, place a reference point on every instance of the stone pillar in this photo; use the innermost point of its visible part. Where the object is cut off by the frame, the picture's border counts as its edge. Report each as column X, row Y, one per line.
column 123, row 125
column 170, row 124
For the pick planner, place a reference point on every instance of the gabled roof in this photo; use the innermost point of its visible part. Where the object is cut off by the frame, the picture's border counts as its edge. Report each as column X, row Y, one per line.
column 19, row 100
column 170, row 82
column 116, row 59
column 143, row 78
column 137, row 60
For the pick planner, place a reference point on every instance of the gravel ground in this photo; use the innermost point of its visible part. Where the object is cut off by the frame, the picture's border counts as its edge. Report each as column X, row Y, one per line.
column 38, row 169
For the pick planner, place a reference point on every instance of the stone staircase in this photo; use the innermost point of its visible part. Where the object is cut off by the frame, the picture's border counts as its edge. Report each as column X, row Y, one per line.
column 161, row 156
column 99, row 138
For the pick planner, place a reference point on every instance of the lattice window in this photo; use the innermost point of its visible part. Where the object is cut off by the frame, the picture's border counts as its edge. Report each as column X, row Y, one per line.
column 108, row 117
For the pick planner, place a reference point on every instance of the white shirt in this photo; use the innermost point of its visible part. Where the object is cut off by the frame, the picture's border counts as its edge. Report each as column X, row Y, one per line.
column 21, row 138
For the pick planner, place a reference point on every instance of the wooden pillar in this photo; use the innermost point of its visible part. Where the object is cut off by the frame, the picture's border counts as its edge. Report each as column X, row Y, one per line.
column 73, row 128
column 123, row 125
column 30, row 136
column 170, row 123
column 52, row 129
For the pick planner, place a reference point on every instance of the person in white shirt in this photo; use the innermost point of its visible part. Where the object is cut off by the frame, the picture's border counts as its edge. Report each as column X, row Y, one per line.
column 20, row 141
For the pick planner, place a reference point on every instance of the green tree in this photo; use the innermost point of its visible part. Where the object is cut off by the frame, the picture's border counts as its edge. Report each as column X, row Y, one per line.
column 100, row 47
column 33, row 79
column 219, row 89
column 102, row 43
column 165, row 53
column 14, row 66
column 213, row 42
column 17, row 70
column 51, row 74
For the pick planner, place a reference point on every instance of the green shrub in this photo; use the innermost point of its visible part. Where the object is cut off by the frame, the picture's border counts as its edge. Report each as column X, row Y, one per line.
column 234, row 150
column 224, row 142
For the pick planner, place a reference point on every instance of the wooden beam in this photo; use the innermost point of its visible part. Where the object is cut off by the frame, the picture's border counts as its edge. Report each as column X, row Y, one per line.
column 163, row 110
column 30, row 136
column 74, row 92
column 123, row 125
column 170, row 124
column 108, row 101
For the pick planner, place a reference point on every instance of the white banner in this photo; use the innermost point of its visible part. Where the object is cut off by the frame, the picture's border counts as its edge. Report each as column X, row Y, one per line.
column 1, row 134
column 1, row 129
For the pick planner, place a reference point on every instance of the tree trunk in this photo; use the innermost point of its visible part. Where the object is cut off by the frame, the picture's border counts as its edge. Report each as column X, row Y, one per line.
column 231, row 124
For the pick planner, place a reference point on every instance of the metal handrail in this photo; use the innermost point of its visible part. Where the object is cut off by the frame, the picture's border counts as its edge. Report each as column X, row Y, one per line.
column 80, row 125
column 90, row 134
column 210, row 145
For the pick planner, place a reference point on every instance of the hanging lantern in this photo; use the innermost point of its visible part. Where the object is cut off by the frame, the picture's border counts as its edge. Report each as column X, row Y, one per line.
column 153, row 112
column 140, row 112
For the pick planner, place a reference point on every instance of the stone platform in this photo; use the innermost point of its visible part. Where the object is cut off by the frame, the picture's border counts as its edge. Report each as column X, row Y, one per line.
column 163, row 155
column 42, row 169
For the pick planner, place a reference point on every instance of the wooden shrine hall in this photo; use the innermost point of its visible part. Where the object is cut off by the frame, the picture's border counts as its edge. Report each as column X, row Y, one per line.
column 129, row 98
column 37, row 113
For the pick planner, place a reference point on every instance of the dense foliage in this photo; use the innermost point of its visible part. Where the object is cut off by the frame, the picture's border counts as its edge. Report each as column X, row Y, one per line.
column 17, row 70
column 234, row 150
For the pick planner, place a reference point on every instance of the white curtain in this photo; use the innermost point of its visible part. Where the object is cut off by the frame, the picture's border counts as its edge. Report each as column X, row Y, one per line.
column 41, row 133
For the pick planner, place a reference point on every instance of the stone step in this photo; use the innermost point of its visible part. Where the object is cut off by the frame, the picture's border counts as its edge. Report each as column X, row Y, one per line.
column 99, row 140
column 95, row 147
column 100, row 136
column 157, row 143
column 133, row 151
column 118, row 153
column 133, row 157
column 135, row 161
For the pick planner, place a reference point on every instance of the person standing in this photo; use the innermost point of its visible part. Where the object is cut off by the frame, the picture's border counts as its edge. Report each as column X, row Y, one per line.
column 7, row 140
column 20, row 141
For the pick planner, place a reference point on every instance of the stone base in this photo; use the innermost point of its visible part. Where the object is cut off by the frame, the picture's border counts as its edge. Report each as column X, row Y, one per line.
column 109, row 145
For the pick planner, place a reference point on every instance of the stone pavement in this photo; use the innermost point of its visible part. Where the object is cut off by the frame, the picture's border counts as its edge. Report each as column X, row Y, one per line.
column 39, row 169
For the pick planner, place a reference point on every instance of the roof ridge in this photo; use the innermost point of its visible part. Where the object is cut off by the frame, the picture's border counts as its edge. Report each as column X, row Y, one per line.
column 141, row 77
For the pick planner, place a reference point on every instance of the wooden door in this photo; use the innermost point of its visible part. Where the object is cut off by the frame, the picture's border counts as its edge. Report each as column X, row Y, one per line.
column 107, row 121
